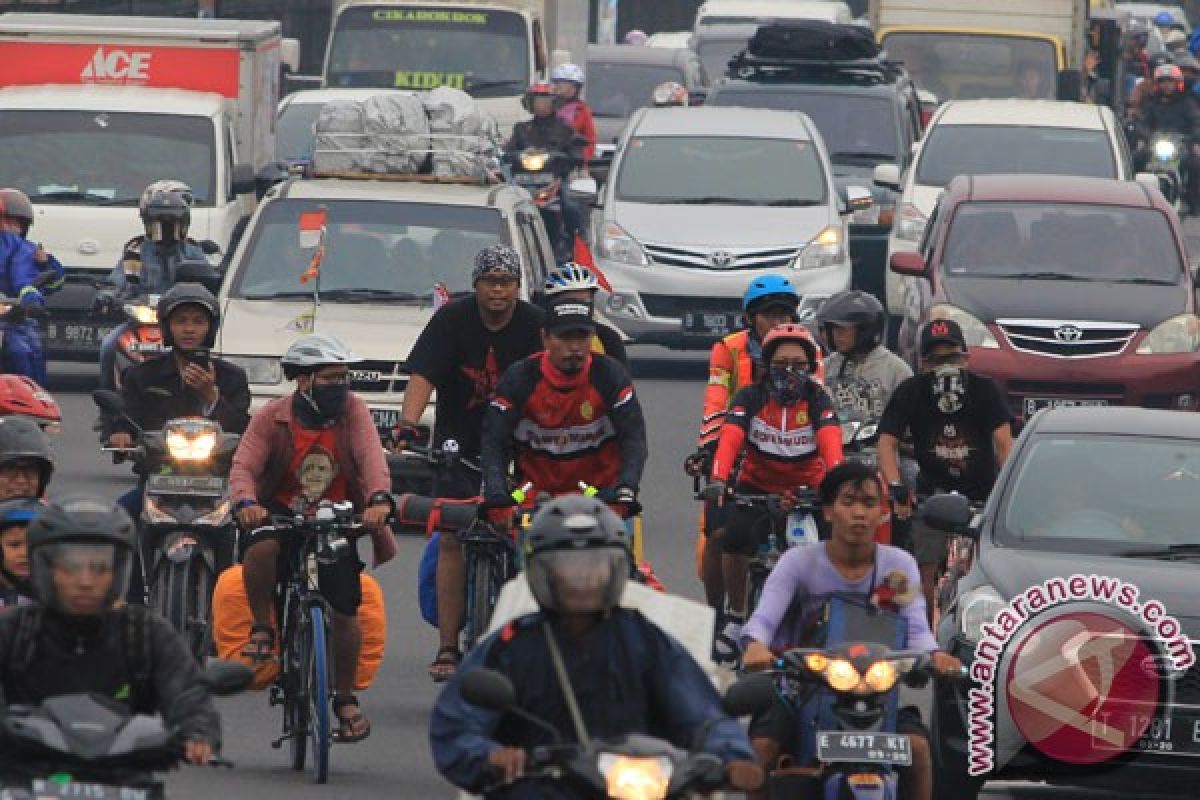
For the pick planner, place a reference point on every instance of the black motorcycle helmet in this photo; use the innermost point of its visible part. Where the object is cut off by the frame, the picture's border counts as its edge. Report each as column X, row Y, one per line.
column 22, row 440
column 166, row 211
column 77, row 529
column 576, row 556
column 854, row 307
column 185, row 294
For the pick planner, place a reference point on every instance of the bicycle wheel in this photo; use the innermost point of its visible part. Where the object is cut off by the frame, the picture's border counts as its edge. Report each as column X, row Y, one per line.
column 482, row 594
column 188, row 596
column 318, row 696
column 295, row 683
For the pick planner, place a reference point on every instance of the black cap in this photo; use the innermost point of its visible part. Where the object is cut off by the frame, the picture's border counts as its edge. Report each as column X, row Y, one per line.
column 941, row 331
column 569, row 315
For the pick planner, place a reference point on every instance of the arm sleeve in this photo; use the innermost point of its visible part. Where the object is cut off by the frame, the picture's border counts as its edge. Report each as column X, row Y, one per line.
column 784, row 586
column 587, row 127
column 133, row 395
column 997, row 409
column 53, row 265
column 898, row 411
column 22, row 269
column 631, row 427
column 430, row 356
column 183, row 699
column 251, row 458
column 717, row 393
column 733, row 434
column 460, row 734
column 829, row 430
column 233, row 402
column 920, row 637
column 499, row 423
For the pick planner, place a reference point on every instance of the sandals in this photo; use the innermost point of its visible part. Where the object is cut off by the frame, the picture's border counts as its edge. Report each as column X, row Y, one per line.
column 260, row 649
column 445, row 663
column 352, row 728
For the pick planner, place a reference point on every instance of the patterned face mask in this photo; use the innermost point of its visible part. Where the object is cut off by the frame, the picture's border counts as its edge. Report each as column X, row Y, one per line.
column 949, row 388
column 787, row 384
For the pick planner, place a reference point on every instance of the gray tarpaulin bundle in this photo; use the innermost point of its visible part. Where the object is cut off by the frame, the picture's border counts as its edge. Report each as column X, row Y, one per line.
column 462, row 134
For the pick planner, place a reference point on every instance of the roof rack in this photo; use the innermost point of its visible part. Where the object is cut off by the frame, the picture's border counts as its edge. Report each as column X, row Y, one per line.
column 475, row 162
column 862, row 70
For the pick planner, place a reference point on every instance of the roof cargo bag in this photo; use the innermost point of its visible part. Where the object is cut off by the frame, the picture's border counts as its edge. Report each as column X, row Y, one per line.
column 812, row 40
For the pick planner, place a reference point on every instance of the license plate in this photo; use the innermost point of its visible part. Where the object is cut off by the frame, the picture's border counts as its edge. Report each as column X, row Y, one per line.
column 1036, row 404
column 1175, row 735
column 77, row 335
column 864, row 748
column 87, row 791
column 199, row 485
column 712, row 323
column 385, row 418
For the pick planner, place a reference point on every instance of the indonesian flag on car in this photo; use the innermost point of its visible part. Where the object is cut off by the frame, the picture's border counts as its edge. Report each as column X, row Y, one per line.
column 312, row 237
column 583, row 257
column 441, row 295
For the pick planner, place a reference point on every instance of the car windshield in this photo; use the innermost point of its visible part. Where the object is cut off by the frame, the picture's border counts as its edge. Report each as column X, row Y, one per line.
column 484, row 52
column 1111, row 493
column 952, row 150
column 968, row 66
column 1090, row 242
column 721, row 170
column 374, row 250
column 294, row 131
column 715, row 54
column 853, row 126
column 104, row 158
column 617, row 90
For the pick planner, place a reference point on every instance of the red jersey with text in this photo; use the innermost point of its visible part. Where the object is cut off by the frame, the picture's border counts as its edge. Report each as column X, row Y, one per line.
column 785, row 446
column 561, row 429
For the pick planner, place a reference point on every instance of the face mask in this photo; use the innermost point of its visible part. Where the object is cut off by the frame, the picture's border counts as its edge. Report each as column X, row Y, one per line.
column 328, row 400
column 949, row 388
column 787, row 383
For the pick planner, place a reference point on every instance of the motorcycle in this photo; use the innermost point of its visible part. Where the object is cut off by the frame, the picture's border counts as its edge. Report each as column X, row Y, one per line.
column 1166, row 161
column 860, row 437
column 542, row 173
column 856, row 758
column 85, row 745
column 634, row 765
column 187, row 531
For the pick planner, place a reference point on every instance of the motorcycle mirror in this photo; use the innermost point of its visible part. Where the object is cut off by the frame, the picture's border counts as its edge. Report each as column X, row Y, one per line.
column 949, row 513
column 488, row 689
column 749, row 695
column 198, row 272
column 224, row 678
column 210, row 247
column 109, row 401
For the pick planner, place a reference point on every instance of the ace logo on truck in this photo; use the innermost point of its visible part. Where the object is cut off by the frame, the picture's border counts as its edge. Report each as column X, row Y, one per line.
column 113, row 66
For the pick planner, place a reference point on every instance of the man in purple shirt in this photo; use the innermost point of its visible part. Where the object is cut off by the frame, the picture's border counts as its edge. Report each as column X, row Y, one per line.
column 850, row 562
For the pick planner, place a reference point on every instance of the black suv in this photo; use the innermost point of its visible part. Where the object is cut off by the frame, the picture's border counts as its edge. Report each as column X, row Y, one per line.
column 868, row 112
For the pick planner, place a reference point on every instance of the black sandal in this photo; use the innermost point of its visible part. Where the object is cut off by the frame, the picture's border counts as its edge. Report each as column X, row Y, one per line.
column 445, row 663
column 347, row 726
column 260, row 649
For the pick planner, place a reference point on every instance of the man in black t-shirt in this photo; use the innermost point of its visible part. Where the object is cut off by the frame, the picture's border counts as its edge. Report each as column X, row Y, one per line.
column 961, row 429
column 462, row 353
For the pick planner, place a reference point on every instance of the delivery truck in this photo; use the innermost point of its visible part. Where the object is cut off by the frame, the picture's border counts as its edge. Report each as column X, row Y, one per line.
column 493, row 50
column 966, row 49
column 95, row 108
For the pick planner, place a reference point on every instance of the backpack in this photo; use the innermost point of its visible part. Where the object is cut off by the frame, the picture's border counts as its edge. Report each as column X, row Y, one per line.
column 135, row 644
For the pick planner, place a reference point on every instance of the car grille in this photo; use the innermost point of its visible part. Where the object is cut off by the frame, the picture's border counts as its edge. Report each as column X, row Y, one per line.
column 1187, row 686
column 717, row 258
column 379, row 376
column 672, row 305
column 1067, row 339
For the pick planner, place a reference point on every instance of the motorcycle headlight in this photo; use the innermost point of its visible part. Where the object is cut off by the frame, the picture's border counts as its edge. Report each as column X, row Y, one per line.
column 978, row 607
column 816, row 662
column 841, row 675
column 634, row 778
column 534, row 161
column 880, row 676
column 145, row 315
column 1164, row 150
column 191, row 439
column 976, row 333
column 259, row 369
column 1179, row 334
column 617, row 245
column 910, row 223
column 827, row 249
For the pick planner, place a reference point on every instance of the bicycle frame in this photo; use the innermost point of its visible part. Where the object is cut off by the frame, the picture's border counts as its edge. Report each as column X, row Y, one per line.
column 490, row 560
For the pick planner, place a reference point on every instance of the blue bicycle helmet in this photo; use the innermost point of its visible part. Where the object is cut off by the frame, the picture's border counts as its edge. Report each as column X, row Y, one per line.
column 770, row 290
column 1164, row 19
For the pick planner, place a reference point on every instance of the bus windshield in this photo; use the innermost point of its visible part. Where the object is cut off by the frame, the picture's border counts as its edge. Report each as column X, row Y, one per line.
column 484, row 52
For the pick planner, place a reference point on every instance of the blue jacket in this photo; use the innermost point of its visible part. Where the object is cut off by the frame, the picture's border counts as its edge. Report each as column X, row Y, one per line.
column 629, row 677
column 52, row 265
column 17, row 268
column 158, row 268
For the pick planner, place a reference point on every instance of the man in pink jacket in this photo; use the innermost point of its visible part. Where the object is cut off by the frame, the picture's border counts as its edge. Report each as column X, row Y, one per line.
column 318, row 443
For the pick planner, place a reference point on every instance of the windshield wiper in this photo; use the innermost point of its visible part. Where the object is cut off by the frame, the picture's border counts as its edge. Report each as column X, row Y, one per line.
column 300, row 294
column 864, row 154
column 713, row 201
column 1189, row 549
column 793, row 202
column 1049, row 275
column 1144, row 281
column 68, row 195
column 367, row 294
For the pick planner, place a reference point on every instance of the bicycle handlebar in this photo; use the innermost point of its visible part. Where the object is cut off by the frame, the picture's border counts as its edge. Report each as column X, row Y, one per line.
column 437, row 513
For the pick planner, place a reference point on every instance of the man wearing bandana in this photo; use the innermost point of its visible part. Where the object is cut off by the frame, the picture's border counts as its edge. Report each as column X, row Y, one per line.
column 962, row 433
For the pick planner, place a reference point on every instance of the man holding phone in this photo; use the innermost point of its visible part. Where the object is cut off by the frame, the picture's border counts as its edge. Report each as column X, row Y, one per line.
column 185, row 382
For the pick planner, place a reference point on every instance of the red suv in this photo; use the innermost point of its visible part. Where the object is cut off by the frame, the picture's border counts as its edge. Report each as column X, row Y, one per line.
column 1071, row 291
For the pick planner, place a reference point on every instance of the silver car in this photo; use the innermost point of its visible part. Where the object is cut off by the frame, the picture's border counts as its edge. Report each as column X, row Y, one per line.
column 700, row 201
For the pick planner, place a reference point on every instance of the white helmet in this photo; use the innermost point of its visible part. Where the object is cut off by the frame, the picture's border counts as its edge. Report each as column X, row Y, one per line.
column 310, row 353
column 571, row 73
column 570, row 277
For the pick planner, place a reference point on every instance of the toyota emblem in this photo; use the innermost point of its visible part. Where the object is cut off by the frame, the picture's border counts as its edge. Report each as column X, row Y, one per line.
column 88, row 247
column 721, row 259
column 1068, row 333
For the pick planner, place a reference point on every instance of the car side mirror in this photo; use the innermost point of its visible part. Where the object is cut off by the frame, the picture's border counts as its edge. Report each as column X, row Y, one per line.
column 209, row 247
column 488, row 689
column 948, row 513
column 200, row 272
column 243, row 179
column 750, row 694
column 584, row 191
column 856, row 198
column 887, row 176
column 912, row 264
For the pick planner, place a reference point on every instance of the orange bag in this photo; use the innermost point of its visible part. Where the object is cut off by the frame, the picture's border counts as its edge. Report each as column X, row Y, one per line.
column 232, row 620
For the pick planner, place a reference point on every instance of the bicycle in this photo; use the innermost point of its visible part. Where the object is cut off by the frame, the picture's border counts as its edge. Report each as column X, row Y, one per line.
column 306, row 652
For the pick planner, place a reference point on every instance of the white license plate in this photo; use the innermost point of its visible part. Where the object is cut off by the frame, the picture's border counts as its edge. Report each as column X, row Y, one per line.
column 198, row 485
column 712, row 323
column 1036, row 404
column 864, row 748
column 86, row 791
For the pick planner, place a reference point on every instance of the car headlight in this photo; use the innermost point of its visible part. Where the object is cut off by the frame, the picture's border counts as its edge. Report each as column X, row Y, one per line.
column 1164, row 150
column 534, row 160
column 259, row 369
column 191, row 439
column 976, row 333
column 617, row 245
column 880, row 676
column 977, row 608
column 842, row 676
column 827, row 249
column 910, row 223
column 1179, row 334
column 144, row 315
column 634, row 778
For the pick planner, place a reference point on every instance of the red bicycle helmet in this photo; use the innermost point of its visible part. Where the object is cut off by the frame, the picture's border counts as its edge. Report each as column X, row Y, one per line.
column 23, row 397
column 795, row 332
column 538, row 89
column 1170, row 72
